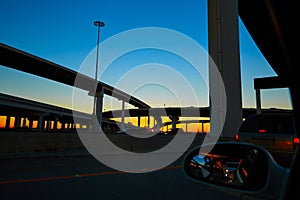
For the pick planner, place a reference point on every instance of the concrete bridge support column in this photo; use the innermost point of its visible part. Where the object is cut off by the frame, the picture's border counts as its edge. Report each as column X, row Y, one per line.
column 63, row 125
column 40, row 123
column 30, row 122
column 148, row 124
column 99, row 107
column 7, row 122
column 173, row 125
column 139, row 121
column 55, row 123
column 48, row 125
column 44, row 124
column 123, row 115
column 223, row 34
column 17, row 121
column 258, row 101
column 174, row 120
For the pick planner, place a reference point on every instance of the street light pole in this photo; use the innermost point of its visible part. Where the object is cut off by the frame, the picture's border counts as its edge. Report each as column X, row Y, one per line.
column 98, row 24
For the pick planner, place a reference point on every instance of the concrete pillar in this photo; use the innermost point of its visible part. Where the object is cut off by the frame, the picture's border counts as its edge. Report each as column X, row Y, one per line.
column 30, row 122
column 17, row 121
column 48, row 125
column 186, row 127
column 99, row 107
column 223, row 35
column 173, row 125
column 55, row 123
column 7, row 122
column 139, row 121
column 123, row 115
column 174, row 120
column 40, row 123
column 258, row 101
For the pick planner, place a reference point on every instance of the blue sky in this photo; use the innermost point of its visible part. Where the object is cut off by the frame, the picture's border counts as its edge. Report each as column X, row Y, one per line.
column 63, row 32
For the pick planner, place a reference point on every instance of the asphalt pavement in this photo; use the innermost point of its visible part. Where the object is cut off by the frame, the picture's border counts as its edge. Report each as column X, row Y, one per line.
column 75, row 174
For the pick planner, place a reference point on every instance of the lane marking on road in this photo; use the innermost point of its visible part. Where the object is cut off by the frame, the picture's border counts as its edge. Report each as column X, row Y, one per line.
column 73, row 176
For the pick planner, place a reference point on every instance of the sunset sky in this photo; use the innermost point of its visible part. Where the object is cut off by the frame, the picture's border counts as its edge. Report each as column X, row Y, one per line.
column 63, row 32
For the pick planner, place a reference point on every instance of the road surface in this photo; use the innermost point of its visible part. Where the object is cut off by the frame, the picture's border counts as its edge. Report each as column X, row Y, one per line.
column 76, row 175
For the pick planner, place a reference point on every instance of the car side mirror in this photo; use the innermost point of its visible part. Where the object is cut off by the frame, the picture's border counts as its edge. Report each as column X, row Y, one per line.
column 240, row 168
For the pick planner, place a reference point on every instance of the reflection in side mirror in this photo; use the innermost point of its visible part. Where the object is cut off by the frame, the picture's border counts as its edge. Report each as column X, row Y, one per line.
column 239, row 167
column 243, row 169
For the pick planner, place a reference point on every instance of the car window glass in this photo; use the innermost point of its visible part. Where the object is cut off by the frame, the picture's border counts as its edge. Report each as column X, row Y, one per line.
column 250, row 124
column 277, row 124
column 282, row 124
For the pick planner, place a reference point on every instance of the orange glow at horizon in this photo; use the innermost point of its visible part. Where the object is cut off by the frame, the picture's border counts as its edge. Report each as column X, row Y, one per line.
column 190, row 127
column 2, row 121
column 34, row 123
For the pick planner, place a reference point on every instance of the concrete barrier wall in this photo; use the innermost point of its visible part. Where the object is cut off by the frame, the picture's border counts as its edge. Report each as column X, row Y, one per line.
column 36, row 142
column 16, row 142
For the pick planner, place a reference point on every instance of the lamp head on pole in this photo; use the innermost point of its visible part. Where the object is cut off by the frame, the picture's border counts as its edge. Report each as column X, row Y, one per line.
column 98, row 23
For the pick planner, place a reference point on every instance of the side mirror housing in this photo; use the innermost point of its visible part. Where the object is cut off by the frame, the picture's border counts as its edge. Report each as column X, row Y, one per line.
column 242, row 169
